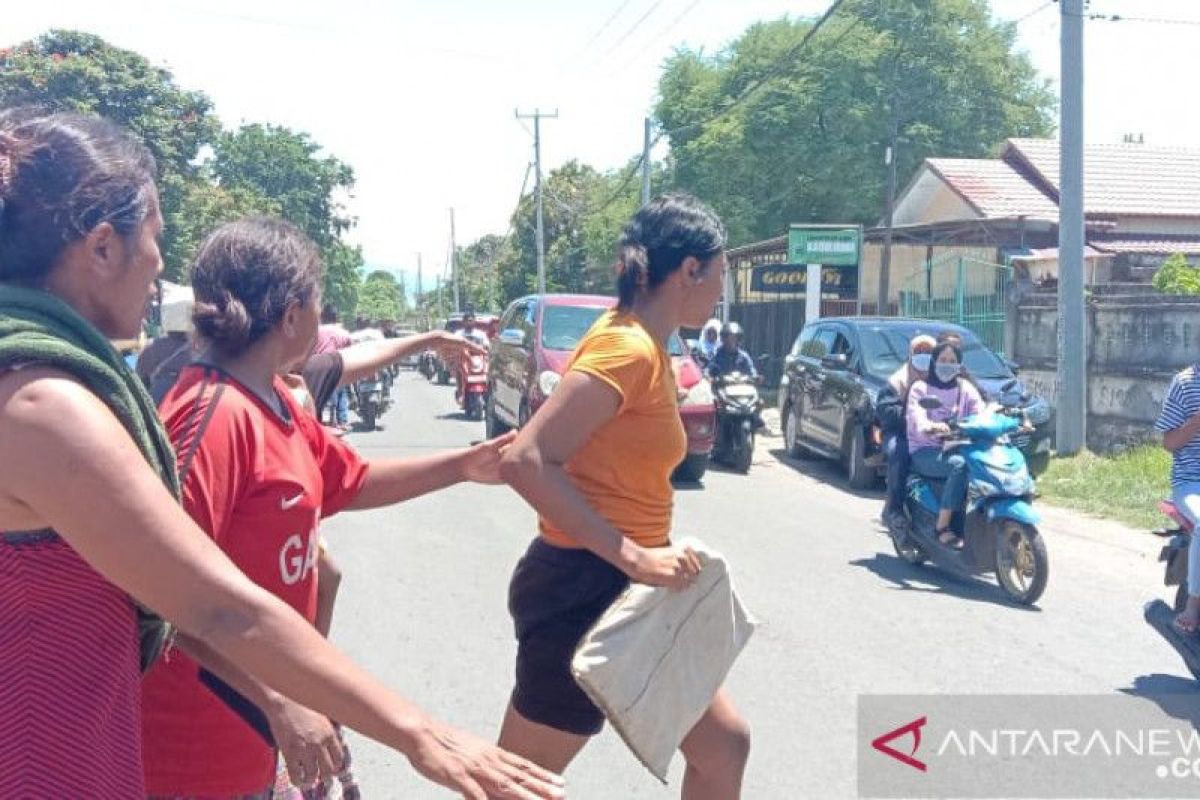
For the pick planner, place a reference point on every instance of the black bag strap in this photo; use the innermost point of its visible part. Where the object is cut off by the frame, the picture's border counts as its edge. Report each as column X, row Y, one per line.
column 200, row 418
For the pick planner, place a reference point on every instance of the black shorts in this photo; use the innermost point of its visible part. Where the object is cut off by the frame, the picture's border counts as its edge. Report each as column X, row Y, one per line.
column 555, row 597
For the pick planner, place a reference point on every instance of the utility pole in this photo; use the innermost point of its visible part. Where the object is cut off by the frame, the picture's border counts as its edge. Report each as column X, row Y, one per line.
column 420, row 288
column 885, row 264
column 1072, row 323
column 536, row 116
column 646, row 165
column 454, row 266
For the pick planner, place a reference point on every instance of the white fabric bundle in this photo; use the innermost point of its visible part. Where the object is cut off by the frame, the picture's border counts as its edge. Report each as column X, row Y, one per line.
column 656, row 658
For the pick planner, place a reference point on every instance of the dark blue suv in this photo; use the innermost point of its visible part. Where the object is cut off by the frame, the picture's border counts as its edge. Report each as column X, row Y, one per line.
column 836, row 370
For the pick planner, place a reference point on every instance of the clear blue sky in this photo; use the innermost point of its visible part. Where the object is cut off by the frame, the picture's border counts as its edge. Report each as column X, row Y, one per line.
column 419, row 96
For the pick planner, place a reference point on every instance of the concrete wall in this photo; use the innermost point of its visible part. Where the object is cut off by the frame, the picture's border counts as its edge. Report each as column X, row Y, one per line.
column 1136, row 344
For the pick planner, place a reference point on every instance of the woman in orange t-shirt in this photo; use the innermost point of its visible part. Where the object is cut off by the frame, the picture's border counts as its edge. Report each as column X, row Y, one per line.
column 596, row 462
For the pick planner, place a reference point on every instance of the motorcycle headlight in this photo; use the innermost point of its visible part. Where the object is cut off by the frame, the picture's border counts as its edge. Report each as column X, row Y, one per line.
column 742, row 391
column 548, row 382
column 699, row 395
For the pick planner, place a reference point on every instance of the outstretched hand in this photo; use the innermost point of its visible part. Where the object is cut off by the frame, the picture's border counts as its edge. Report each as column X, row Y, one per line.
column 452, row 348
column 479, row 770
column 481, row 464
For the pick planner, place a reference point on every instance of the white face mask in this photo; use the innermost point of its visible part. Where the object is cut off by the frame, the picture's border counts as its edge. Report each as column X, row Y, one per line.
column 946, row 372
column 921, row 361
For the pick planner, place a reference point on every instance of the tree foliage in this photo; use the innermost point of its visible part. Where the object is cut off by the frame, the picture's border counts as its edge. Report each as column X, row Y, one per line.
column 1177, row 276
column 810, row 142
column 258, row 169
column 381, row 298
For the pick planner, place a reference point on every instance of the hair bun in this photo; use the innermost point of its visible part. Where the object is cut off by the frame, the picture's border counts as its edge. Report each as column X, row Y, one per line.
column 225, row 321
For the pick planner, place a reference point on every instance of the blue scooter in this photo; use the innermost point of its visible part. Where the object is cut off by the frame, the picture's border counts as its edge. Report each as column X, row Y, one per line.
column 999, row 524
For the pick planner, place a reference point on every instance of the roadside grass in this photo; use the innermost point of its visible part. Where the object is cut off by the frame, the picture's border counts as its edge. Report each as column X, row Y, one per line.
column 1126, row 487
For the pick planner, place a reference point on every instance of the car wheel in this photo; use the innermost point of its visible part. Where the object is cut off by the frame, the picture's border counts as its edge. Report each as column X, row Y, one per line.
column 791, row 433
column 692, row 468
column 858, row 473
column 492, row 425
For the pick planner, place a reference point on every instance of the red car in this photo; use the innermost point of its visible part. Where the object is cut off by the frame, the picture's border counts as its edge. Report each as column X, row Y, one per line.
column 537, row 336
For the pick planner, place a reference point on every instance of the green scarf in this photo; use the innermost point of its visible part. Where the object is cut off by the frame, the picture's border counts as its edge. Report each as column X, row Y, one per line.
column 38, row 328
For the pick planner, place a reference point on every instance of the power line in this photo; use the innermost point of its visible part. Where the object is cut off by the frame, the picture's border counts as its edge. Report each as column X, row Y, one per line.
column 653, row 7
column 1151, row 20
column 780, row 64
column 607, row 23
column 1035, row 12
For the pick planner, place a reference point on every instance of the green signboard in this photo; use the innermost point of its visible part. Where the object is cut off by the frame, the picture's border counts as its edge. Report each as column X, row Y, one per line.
column 828, row 246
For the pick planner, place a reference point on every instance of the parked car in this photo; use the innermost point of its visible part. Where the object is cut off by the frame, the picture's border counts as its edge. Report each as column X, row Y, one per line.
column 836, row 369
column 538, row 335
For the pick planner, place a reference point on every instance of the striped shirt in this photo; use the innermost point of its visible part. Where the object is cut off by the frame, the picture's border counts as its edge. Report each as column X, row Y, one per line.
column 1182, row 403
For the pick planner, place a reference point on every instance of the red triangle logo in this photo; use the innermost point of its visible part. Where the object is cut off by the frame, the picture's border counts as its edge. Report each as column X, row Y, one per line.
column 882, row 744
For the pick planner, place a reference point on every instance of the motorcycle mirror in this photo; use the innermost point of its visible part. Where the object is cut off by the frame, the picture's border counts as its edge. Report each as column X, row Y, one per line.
column 929, row 403
column 1008, row 387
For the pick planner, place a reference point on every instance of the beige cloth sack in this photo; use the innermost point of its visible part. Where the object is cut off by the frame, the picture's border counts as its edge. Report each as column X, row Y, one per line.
column 656, row 658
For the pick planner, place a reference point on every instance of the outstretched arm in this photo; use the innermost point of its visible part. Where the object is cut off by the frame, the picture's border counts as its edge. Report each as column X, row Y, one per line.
column 366, row 358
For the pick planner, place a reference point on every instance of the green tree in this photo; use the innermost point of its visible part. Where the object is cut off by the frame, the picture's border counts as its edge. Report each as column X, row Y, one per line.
column 289, row 168
column 381, row 298
column 192, row 209
column 1177, row 276
column 770, row 140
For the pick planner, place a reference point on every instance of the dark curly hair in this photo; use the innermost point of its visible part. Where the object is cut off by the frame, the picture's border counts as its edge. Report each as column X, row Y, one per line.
column 246, row 275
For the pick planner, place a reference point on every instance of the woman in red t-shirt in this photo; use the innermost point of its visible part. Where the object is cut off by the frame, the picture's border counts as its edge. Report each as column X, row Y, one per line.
column 258, row 474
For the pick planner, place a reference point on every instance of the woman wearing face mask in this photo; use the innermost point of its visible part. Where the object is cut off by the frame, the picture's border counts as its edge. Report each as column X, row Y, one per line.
column 959, row 400
column 891, row 411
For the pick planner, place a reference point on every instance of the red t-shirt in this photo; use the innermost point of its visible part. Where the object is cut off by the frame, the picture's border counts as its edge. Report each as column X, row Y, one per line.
column 258, row 485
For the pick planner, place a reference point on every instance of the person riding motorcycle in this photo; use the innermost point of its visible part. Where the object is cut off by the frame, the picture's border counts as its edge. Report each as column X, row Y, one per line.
column 710, row 342
column 472, row 333
column 890, row 410
column 730, row 358
column 959, row 399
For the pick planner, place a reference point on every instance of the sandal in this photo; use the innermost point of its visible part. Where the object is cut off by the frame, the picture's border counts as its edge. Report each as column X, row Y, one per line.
column 949, row 538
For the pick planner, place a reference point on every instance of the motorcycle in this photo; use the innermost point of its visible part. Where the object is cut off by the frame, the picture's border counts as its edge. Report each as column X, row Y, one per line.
column 998, row 525
column 472, row 386
column 1157, row 613
column 427, row 364
column 371, row 400
column 738, row 405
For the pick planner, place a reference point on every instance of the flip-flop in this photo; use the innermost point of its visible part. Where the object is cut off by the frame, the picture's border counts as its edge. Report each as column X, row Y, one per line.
column 955, row 543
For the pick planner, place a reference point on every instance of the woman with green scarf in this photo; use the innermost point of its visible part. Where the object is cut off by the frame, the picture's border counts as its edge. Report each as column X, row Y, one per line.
column 89, row 514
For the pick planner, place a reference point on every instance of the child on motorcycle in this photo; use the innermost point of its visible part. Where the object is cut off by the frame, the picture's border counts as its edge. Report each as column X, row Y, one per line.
column 1179, row 423
column 959, row 399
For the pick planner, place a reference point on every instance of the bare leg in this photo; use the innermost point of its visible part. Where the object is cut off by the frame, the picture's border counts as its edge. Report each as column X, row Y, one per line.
column 716, row 750
column 943, row 524
column 1189, row 619
column 545, row 746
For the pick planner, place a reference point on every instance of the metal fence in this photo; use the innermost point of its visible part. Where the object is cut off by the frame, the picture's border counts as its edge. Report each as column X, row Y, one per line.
column 964, row 291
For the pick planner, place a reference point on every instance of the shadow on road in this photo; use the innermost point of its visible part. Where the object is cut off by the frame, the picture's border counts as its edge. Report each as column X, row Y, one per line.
column 1177, row 697
column 824, row 470
column 930, row 579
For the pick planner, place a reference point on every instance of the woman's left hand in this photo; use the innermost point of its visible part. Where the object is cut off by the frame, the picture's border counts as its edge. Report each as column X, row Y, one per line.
column 481, row 464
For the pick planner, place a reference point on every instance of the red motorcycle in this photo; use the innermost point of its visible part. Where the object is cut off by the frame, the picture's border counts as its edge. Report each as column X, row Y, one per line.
column 473, row 386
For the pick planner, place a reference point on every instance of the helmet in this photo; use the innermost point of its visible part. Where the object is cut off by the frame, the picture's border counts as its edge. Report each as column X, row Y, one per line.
column 731, row 329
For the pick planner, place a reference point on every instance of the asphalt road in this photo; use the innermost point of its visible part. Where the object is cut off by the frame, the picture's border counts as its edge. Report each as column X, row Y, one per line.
column 423, row 606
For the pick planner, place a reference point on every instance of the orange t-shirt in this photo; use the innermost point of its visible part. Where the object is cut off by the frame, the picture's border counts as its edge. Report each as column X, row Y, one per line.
column 624, row 469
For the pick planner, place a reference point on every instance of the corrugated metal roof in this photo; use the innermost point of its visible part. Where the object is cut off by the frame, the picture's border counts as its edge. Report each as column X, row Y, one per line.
column 1148, row 245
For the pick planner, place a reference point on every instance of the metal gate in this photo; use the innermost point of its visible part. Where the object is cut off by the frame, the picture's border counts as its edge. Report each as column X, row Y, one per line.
column 965, row 291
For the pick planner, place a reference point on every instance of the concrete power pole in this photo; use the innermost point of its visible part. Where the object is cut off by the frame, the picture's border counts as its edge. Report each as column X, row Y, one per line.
column 454, row 266
column 1072, row 323
column 537, row 116
column 646, row 165
column 420, row 289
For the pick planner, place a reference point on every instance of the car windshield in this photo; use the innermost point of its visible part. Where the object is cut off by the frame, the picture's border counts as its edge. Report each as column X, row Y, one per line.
column 564, row 326
column 886, row 347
